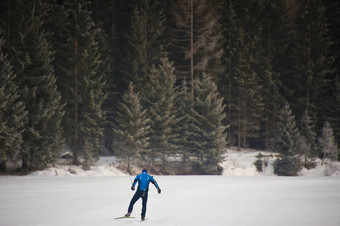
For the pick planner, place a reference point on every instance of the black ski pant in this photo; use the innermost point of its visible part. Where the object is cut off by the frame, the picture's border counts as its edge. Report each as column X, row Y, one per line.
column 139, row 194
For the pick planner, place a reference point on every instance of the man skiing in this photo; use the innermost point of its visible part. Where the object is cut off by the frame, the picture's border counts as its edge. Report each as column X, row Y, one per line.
column 143, row 180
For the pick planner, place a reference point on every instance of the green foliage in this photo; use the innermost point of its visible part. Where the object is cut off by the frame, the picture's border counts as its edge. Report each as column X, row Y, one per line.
column 310, row 57
column 287, row 141
column 184, row 123
column 328, row 147
column 131, row 127
column 143, row 48
column 198, row 48
column 38, row 90
column 12, row 113
column 209, row 132
column 253, row 51
column 287, row 166
column 259, row 164
column 158, row 99
column 81, row 82
column 307, row 130
column 243, row 90
column 286, row 137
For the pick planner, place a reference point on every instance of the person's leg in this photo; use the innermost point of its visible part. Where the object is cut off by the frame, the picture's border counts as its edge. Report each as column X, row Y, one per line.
column 145, row 200
column 133, row 201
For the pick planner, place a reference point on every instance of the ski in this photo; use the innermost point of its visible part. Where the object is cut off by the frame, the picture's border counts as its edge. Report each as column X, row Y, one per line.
column 117, row 218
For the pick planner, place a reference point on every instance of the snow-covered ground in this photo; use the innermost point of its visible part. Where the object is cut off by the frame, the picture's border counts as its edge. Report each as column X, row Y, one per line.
column 66, row 195
column 236, row 163
column 185, row 200
column 241, row 163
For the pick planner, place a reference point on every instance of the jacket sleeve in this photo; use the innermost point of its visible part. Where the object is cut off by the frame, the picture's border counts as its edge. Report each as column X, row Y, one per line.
column 135, row 181
column 154, row 182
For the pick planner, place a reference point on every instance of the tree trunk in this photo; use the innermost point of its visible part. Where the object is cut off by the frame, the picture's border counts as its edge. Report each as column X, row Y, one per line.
column 3, row 167
column 128, row 164
column 245, row 118
column 76, row 135
column 239, row 122
column 192, row 48
column 24, row 164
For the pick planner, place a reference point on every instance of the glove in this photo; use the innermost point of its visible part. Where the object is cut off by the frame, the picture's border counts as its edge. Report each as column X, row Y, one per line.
column 133, row 188
column 159, row 191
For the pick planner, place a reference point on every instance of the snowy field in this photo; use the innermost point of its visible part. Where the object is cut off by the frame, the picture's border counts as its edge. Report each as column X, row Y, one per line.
column 70, row 196
column 185, row 200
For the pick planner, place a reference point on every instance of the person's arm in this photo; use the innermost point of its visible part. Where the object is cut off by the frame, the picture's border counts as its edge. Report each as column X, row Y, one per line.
column 155, row 183
column 134, row 183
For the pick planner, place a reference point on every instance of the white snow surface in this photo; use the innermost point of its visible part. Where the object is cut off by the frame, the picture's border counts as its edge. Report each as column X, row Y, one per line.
column 241, row 197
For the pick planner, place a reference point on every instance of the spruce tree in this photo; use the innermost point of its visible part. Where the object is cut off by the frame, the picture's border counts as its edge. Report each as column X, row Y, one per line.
column 209, row 131
column 158, row 98
column 287, row 141
column 307, row 130
column 131, row 127
column 183, row 125
column 196, row 40
column 333, row 101
column 144, row 43
column 328, row 147
column 35, row 76
column 243, row 90
column 272, row 19
column 311, row 58
column 80, row 83
column 286, row 135
column 12, row 113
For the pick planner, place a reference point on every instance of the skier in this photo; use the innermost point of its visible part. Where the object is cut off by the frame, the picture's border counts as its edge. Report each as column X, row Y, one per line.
column 143, row 180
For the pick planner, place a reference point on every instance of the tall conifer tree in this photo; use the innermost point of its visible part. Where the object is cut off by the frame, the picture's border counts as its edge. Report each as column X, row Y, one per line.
column 131, row 127
column 328, row 147
column 159, row 97
column 12, row 113
column 209, row 131
column 184, row 125
column 196, row 40
column 144, row 43
column 81, row 84
column 310, row 57
column 35, row 75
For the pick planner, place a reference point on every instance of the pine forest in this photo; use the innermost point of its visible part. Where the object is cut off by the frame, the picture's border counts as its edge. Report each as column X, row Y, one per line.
column 168, row 84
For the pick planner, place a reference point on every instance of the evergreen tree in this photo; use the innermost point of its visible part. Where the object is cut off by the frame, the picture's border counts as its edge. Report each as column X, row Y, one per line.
column 35, row 75
column 106, row 67
column 332, row 110
column 331, row 92
column 144, row 44
column 231, row 34
column 81, row 85
column 196, row 40
column 208, row 131
column 183, row 125
column 310, row 57
column 12, row 113
column 131, row 126
column 270, row 58
column 307, row 130
column 243, row 92
column 286, row 136
column 328, row 147
column 287, row 141
column 158, row 97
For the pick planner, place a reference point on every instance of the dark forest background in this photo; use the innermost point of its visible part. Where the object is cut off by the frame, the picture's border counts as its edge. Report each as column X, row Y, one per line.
column 168, row 83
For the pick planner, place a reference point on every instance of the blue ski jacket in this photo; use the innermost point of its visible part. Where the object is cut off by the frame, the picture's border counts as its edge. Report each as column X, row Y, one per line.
column 143, row 180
